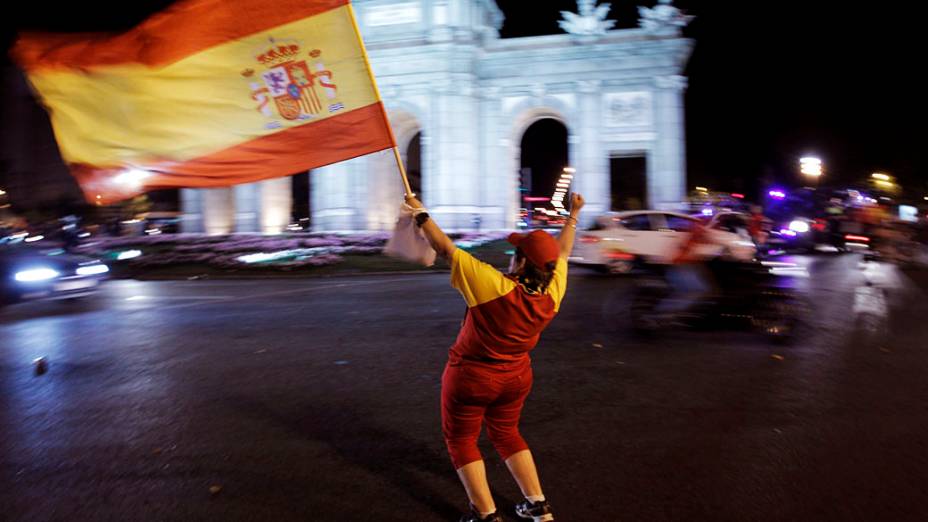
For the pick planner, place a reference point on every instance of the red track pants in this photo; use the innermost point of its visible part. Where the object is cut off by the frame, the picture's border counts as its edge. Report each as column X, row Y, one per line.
column 472, row 393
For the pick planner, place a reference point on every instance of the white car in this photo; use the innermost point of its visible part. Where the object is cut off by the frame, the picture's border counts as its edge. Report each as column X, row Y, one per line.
column 617, row 241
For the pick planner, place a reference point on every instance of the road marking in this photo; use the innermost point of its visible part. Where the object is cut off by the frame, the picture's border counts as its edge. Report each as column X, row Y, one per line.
column 177, row 297
column 283, row 292
column 882, row 275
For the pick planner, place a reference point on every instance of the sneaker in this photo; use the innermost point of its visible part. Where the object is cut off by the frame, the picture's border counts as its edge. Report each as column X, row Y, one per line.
column 474, row 516
column 537, row 511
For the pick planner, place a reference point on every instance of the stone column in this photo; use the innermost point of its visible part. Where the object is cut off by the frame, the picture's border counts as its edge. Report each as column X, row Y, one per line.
column 191, row 205
column 454, row 179
column 384, row 191
column 218, row 211
column 587, row 154
column 276, row 198
column 499, row 183
column 338, row 193
column 246, row 207
column 439, row 23
column 667, row 163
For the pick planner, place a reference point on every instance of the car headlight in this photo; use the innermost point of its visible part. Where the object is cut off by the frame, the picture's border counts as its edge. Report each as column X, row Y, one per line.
column 128, row 254
column 799, row 226
column 36, row 274
column 90, row 270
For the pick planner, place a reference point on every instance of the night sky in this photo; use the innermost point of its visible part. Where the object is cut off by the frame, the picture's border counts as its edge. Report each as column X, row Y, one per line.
column 769, row 81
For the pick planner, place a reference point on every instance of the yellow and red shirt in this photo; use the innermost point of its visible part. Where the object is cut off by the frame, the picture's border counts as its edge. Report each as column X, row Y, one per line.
column 504, row 319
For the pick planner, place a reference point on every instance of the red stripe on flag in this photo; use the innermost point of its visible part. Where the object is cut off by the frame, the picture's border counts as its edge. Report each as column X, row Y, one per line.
column 186, row 28
column 338, row 138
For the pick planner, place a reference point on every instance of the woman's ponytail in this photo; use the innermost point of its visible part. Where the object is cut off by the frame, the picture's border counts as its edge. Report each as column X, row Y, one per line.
column 534, row 278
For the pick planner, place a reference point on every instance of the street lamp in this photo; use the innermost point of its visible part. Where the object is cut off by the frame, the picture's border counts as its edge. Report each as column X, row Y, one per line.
column 884, row 182
column 810, row 166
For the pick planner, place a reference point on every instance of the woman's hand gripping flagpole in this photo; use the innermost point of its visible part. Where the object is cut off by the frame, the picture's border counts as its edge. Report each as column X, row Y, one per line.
column 439, row 241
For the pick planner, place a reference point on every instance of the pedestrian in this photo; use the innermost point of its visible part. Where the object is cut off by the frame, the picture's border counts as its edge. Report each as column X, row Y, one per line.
column 489, row 374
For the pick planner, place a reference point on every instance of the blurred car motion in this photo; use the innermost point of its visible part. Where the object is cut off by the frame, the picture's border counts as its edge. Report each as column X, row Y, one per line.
column 619, row 241
column 30, row 272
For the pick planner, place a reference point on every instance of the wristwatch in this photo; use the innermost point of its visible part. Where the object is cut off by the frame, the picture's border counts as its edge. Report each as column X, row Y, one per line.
column 421, row 218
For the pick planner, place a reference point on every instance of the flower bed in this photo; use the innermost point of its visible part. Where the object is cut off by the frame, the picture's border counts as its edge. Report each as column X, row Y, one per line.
column 242, row 251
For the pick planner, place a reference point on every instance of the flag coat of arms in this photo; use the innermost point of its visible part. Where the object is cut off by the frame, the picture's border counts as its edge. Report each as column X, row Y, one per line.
column 208, row 93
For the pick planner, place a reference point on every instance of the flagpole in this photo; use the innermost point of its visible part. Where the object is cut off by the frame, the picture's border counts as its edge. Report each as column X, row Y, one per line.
column 370, row 72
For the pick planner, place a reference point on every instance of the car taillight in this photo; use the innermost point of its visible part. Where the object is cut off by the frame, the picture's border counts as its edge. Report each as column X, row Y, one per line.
column 620, row 255
column 852, row 237
column 589, row 239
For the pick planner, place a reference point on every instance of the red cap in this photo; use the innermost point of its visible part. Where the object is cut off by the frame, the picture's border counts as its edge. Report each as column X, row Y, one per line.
column 538, row 246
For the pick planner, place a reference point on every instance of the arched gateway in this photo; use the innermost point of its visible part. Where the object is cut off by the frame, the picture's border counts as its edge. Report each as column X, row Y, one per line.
column 466, row 97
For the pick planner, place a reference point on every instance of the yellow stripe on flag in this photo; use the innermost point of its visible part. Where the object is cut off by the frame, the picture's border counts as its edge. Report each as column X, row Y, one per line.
column 132, row 114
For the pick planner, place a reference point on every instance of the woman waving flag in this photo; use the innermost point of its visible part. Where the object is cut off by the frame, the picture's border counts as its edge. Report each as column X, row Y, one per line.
column 489, row 374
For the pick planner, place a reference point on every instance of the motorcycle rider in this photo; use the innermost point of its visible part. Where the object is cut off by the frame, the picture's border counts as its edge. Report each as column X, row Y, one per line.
column 688, row 274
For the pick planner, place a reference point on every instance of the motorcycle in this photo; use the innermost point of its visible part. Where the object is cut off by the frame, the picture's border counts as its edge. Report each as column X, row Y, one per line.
column 745, row 294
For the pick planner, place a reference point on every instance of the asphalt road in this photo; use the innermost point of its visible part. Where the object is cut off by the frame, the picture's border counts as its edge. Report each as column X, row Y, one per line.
column 317, row 400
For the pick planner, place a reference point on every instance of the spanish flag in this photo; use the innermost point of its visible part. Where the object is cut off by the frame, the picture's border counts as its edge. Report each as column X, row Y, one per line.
column 208, row 93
